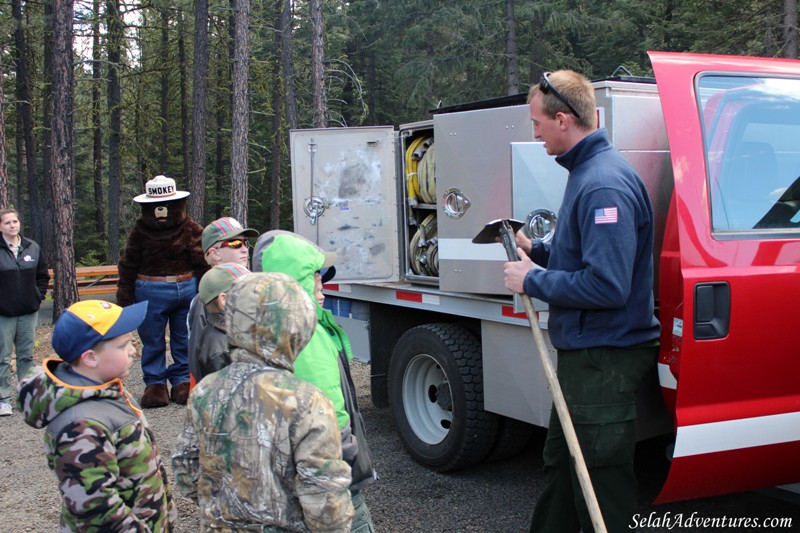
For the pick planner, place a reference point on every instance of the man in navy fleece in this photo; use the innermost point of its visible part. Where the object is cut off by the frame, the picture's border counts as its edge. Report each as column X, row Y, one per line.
column 597, row 279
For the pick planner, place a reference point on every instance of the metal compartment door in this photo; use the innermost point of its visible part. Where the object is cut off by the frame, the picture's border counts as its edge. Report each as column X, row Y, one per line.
column 345, row 198
column 473, row 162
column 729, row 359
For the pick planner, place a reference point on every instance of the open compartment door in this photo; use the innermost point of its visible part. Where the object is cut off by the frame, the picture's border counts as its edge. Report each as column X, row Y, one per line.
column 345, row 198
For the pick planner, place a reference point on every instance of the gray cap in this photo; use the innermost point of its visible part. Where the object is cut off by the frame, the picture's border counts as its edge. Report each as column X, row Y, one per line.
column 219, row 279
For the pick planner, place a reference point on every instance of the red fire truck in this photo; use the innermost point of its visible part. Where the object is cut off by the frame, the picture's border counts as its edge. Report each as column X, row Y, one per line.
column 716, row 140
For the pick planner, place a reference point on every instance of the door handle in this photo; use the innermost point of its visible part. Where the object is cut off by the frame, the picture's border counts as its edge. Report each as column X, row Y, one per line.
column 712, row 310
column 313, row 208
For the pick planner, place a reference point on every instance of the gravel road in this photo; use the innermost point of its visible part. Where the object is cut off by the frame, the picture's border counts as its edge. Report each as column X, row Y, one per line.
column 496, row 497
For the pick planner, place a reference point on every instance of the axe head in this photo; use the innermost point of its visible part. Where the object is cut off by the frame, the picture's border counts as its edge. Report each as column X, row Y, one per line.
column 492, row 230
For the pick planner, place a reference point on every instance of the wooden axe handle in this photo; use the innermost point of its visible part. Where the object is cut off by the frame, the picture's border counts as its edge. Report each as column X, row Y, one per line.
column 509, row 242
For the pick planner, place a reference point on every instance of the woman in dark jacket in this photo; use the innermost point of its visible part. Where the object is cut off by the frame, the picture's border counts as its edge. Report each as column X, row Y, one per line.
column 23, row 284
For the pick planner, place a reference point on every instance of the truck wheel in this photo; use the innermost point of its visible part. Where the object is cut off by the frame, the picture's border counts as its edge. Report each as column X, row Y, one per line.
column 436, row 397
column 513, row 436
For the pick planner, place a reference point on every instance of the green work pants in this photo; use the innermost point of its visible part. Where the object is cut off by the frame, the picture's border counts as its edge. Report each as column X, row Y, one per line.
column 600, row 386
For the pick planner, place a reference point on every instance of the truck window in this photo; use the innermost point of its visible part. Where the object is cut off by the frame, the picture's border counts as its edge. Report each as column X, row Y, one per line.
column 751, row 129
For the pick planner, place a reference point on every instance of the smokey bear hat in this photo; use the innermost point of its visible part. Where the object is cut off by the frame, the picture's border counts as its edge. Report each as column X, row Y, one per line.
column 160, row 189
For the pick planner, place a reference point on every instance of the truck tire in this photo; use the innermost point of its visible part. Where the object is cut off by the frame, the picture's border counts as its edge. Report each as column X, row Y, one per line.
column 436, row 397
column 513, row 436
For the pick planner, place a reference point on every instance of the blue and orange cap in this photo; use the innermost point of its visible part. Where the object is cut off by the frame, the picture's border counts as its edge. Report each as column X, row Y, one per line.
column 86, row 323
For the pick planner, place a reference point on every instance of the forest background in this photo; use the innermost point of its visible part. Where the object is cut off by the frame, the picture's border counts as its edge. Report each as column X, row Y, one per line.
column 98, row 97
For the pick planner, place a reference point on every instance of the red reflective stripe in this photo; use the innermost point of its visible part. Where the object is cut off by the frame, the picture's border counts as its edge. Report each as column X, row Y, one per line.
column 408, row 296
column 331, row 286
column 509, row 311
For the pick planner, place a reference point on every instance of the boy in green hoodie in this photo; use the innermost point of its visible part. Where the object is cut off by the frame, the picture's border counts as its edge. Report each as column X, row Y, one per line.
column 97, row 440
column 325, row 361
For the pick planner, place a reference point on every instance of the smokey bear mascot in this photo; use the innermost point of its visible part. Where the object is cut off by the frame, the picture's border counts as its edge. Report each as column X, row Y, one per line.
column 162, row 263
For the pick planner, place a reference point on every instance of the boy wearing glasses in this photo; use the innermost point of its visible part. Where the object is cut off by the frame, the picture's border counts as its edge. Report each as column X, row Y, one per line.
column 597, row 280
column 224, row 241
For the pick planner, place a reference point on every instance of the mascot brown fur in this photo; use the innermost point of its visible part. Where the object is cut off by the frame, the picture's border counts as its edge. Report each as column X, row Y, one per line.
column 161, row 247
column 163, row 262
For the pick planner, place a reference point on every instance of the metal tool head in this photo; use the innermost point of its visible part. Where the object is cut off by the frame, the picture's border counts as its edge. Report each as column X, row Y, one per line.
column 492, row 230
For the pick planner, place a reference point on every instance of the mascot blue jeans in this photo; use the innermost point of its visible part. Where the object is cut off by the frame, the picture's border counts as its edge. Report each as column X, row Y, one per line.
column 169, row 306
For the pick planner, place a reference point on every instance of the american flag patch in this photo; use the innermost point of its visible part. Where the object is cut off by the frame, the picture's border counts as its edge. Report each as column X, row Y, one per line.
column 605, row 215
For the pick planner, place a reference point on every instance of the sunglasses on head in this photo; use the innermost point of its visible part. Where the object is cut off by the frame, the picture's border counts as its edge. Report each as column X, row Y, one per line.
column 546, row 87
column 235, row 244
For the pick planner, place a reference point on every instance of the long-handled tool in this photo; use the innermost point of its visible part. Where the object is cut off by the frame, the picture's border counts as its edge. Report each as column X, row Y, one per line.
column 506, row 229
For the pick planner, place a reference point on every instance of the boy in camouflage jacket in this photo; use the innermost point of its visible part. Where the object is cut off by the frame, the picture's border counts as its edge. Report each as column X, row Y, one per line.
column 325, row 361
column 261, row 448
column 98, row 442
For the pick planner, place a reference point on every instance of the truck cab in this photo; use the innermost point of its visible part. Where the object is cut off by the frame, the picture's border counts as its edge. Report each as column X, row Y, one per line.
column 730, row 272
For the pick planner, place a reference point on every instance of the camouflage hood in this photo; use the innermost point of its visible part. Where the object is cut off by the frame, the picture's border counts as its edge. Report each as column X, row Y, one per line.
column 49, row 390
column 269, row 317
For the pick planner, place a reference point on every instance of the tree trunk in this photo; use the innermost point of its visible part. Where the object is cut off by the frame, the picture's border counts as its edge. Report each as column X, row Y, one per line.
column 512, row 64
column 223, row 104
column 17, row 198
column 141, row 170
column 25, row 107
column 97, row 139
column 163, row 156
column 185, row 144
column 347, row 95
column 63, row 163
column 790, row 29
column 240, row 117
column 114, row 26
column 534, row 58
column 5, row 199
column 277, row 134
column 197, row 179
column 318, row 64
column 47, row 240
column 288, row 66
